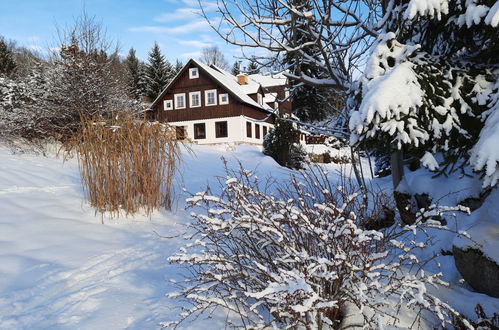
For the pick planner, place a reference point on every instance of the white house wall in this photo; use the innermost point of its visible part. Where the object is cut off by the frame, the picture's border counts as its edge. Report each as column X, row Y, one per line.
column 236, row 129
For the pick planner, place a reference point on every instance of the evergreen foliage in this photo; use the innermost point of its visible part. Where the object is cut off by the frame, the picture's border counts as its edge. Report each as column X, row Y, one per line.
column 178, row 67
column 310, row 103
column 132, row 65
column 7, row 62
column 253, row 67
column 431, row 86
column 159, row 72
column 236, row 68
column 282, row 144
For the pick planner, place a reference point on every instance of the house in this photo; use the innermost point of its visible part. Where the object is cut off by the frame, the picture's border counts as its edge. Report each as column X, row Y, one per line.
column 209, row 105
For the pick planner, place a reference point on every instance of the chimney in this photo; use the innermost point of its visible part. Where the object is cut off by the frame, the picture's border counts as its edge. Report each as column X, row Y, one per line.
column 242, row 79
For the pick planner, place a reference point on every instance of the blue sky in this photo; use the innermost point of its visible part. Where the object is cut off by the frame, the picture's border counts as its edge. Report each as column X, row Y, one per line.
column 174, row 24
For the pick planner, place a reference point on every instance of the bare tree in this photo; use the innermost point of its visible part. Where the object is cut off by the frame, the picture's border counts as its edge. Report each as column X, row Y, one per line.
column 338, row 32
column 214, row 56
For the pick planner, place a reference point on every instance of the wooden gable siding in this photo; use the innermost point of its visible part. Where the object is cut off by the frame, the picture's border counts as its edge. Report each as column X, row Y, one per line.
column 286, row 106
column 184, row 84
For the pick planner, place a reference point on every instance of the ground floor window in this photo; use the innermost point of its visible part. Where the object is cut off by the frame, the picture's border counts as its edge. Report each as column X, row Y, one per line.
column 248, row 129
column 221, row 130
column 264, row 131
column 257, row 131
column 200, row 131
column 181, row 132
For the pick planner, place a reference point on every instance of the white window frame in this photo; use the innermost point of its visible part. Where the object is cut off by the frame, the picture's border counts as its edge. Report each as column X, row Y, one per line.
column 206, row 92
column 220, row 98
column 168, row 105
column 260, row 98
column 191, row 94
column 193, row 73
column 176, row 98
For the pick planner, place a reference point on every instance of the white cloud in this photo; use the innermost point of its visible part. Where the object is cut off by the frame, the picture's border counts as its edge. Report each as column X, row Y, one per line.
column 179, row 14
column 191, row 55
column 194, row 43
column 180, row 29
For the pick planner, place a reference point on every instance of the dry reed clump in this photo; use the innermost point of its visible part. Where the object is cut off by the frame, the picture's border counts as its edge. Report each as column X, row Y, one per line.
column 126, row 164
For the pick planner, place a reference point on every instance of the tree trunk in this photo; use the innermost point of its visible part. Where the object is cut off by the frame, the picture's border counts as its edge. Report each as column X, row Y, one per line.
column 397, row 165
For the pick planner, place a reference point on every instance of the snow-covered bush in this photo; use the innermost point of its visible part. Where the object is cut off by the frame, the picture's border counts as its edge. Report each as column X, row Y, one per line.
column 283, row 144
column 298, row 257
column 431, row 85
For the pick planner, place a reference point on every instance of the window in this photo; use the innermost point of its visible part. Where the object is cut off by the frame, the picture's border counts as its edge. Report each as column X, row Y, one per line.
column 224, row 98
column 210, row 97
column 257, row 131
column 260, row 98
column 168, row 104
column 264, row 131
column 181, row 132
column 180, row 101
column 200, row 131
column 221, row 129
column 193, row 73
column 248, row 129
column 195, row 99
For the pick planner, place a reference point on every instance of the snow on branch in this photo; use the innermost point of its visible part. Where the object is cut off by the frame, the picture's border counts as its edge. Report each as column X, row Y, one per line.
column 297, row 257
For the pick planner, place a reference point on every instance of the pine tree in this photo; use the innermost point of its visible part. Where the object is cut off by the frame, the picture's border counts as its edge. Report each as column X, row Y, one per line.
column 7, row 63
column 178, row 66
column 132, row 65
column 159, row 72
column 310, row 103
column 431, row 86
column 253, row 67
column 236, row 68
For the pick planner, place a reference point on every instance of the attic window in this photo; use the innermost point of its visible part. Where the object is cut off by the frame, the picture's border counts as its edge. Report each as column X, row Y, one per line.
column 180, row 101
column 193, row 73
column 211, row 97
column 224, row 98
column 168, row 104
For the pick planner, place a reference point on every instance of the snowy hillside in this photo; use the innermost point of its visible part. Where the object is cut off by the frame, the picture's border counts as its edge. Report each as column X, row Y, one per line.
column 60, row 268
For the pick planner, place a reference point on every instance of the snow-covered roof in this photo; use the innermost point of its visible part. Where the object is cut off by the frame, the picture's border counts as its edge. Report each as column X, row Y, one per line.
column 252, row 87
column 269, row 80
column 227, row 80
column 270, row 97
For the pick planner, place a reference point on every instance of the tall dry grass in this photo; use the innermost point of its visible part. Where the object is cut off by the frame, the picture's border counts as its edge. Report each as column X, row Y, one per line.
column 126, row 165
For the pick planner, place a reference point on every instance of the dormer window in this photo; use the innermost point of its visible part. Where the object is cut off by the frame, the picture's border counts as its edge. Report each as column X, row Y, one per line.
column 193, row 73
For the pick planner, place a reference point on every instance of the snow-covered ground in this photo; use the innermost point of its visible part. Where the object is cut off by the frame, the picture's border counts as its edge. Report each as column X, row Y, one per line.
column 60, row 268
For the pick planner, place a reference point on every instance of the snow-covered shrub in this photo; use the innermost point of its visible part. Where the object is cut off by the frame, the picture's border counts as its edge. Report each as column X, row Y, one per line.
column 431, row 85
column 298, row 257
column 283, row 144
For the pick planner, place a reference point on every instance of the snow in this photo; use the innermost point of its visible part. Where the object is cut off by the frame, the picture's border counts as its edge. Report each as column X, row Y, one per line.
column 61, row 268
column 269, row 80
column 429, row 161
column 430, row 8
column 492, row 17
column 482, row 228
column 485, row 153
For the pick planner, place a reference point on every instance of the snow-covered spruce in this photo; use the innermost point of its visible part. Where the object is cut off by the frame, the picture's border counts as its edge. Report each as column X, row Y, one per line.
column 431, row 84
column 298, row 258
